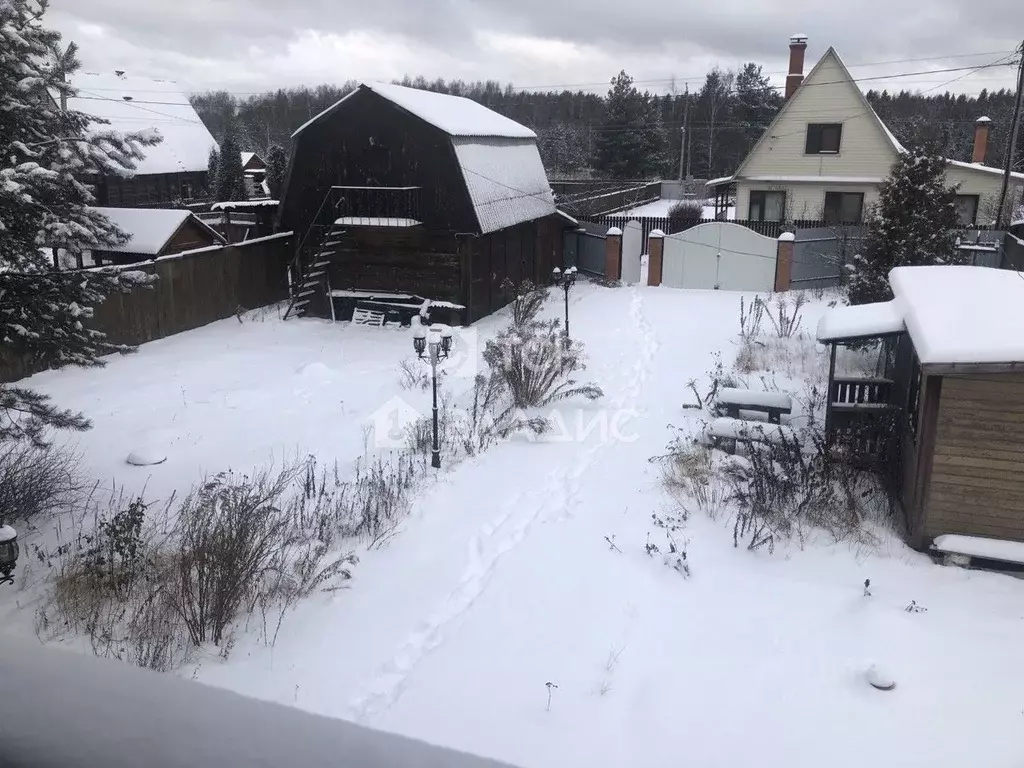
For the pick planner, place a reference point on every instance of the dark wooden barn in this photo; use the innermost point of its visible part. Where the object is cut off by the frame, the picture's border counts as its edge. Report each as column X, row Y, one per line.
column 413, row 195
column 173, row 172
column 945, row 420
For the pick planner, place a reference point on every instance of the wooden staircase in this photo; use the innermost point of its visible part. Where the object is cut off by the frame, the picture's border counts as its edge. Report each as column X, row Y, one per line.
column 308, row 268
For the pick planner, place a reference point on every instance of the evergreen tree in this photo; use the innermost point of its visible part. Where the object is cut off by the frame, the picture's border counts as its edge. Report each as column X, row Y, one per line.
column 915, row 224
column 277, row 167
column 230, row 181
column 44, row 154
column 211, row 173
column 630, row 140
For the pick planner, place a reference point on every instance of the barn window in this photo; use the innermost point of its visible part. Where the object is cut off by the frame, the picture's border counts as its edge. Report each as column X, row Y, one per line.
column 914, row 399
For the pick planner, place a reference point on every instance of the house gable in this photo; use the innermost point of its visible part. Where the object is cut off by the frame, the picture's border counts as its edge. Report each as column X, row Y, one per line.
column 827, row 95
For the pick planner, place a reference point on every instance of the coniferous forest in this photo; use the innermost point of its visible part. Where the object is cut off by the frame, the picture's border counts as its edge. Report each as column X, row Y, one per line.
column 629, row 133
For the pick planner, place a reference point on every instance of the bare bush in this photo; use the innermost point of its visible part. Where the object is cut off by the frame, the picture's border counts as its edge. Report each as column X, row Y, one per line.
column 684, row 215
column 751, row 317
column 691, row 479
column 416, row 374
column 37, row 482
column 531, row 357
column 781, row 489
column 787, row 318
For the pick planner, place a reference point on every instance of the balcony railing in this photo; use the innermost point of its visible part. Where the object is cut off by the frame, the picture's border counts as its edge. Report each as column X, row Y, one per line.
column 848, row 392
column 377, row 206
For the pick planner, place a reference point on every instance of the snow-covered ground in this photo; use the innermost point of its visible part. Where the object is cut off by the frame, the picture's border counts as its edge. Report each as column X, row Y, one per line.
column 661, row 208
column 504, row 578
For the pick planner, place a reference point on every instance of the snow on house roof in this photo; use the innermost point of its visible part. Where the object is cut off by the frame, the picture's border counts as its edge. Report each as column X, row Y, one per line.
column 506, row 180
column 958, row 314
column 984, row 168
column 247, row 156
column 454, row 115
column 150, row 228
column 121, row 99
column 846, row 323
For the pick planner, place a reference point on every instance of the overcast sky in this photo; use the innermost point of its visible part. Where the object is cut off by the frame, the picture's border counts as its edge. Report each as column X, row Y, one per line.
column 253, row 45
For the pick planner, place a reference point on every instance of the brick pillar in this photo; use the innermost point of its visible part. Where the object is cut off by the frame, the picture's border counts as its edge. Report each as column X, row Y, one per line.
column 784, row 261
column 655, row 256
column 613, row 254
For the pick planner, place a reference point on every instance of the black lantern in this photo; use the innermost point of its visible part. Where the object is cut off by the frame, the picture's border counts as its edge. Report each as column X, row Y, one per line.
column 566, row 280
column 436, row 348
column 8, row 553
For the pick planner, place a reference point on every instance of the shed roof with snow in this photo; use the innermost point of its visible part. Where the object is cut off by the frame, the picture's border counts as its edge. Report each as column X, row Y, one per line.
column 493, row 159
column 153, row 229
column 953, row 314
column 132, row 103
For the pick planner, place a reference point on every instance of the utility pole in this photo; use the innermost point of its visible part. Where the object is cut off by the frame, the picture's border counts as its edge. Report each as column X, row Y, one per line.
column 683, row 168
column 1011, row 151
column 686, row 122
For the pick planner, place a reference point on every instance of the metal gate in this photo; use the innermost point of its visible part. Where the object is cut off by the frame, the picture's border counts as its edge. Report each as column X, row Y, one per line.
column 586, row 251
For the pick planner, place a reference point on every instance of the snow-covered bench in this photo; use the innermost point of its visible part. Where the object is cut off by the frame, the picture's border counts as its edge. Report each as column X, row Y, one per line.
column 732, row 431
column 772, row 403
column 957, row 549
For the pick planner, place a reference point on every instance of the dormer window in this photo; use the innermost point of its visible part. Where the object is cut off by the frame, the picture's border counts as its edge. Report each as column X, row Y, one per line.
column 824, row 138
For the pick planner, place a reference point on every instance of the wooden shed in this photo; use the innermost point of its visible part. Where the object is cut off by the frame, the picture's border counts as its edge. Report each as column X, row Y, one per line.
column 405, row 192
column 155, row 232
column 948, row 414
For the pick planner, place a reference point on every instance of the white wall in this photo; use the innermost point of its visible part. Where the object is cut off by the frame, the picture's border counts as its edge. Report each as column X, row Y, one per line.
column 720, row 256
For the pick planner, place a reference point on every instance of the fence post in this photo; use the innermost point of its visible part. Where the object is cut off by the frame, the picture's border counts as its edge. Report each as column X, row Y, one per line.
column 613, row 254
column 655, row 256
column 784, row 261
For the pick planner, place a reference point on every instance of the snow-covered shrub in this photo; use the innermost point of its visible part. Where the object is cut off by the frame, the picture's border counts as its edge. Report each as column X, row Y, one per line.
column 783, row 489
column 239, row 547
column 492, row 416
column 691, row 479
column 416, row 374
column 39, row 482
column 684, row 214
column 533, row 358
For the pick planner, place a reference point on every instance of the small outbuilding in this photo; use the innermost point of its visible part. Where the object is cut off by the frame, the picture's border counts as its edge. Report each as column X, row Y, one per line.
column 408, row 192
column 946, row 420
column 155, row 232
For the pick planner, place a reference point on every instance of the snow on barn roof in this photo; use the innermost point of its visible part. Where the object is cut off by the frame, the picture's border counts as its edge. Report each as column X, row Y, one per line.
column 506, row 181
column 121, row 99
column 150, row 228
column 962, row 314
column 454, row 115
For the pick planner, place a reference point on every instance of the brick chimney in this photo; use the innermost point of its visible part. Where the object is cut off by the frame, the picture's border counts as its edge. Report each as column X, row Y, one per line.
column 981, row 126
column 797, row 47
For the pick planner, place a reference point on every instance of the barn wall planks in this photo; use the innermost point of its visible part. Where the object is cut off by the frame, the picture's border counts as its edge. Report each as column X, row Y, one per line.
column 191, row 291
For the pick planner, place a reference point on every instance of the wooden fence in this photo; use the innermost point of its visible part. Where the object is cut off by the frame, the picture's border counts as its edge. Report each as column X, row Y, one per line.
column 192, row 289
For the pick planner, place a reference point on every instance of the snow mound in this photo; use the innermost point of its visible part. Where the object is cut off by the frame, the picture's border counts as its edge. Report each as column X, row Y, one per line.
column 879, row 678
column 7, row 533
column 317, row 372
column 145, row 457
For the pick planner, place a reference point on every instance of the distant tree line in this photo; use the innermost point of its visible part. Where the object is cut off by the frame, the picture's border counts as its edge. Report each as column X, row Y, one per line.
column 628, row 133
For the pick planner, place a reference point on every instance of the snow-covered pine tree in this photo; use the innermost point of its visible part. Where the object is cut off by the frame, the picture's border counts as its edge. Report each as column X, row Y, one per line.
column 230, row 184
column 915, row 223
column 45, row 153
column 212, row 164
column 277, row 167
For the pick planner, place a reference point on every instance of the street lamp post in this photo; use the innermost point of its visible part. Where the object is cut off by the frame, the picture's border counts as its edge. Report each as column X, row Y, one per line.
column 566, row 280
column 436, row 348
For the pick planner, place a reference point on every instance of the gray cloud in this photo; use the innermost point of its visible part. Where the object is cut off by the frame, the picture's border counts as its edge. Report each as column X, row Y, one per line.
column 211, row 41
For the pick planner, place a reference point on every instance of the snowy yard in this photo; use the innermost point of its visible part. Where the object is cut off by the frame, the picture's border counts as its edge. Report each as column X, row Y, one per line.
column 661, row 208
column 526, row 565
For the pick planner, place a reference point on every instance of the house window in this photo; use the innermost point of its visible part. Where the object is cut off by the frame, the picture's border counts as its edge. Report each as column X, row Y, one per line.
column 186, row 190
column 914, row 400
column 767, row 206
column 844, row 207
column 967, row 209
column 824, row 138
